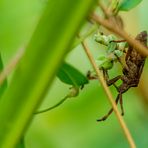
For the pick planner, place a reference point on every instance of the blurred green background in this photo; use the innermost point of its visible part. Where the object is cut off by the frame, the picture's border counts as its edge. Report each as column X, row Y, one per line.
column 73, row 124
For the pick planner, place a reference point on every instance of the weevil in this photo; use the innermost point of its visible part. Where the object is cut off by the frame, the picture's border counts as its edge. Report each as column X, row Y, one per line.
column 130, row 74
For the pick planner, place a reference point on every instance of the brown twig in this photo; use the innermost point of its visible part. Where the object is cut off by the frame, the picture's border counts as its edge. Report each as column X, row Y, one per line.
column 117, row 30
column 11, row 65
column 110, row 97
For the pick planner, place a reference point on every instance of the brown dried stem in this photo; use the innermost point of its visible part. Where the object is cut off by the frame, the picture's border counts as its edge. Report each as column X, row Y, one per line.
column 11, row 65
column 110, row 97
column 117, row 30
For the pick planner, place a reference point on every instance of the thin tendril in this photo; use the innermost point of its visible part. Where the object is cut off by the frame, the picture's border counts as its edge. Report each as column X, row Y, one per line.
column 52, row 107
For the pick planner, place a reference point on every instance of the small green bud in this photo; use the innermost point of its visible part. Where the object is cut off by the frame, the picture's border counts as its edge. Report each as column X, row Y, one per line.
column 104, row 39
column 112, row 46
column 122, row 45
column 108, row 64
column 119, row 53
column 74, row 91
column 111, row 37
column 100, row 38
column 111, row 57
column 101, row 58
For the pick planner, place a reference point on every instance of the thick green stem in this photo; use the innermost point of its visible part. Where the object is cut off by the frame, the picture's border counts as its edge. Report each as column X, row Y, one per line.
column 33, row 76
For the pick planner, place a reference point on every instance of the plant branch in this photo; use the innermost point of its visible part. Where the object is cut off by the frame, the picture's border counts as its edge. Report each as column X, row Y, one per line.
column 110, row 97
column 117, row 30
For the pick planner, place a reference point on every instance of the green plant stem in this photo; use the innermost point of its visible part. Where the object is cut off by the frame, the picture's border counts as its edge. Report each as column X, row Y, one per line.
column 52, row 107
column 16, row 59
column 43, row 56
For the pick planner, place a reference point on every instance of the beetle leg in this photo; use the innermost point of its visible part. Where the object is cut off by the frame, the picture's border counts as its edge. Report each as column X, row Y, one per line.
column 111, row 81
column 91, row 77
column 110, row 111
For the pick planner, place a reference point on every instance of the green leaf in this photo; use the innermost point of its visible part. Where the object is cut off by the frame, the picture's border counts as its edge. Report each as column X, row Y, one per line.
column 4, row 85
column 43, row 56
column 70, row 75
column 127, row 5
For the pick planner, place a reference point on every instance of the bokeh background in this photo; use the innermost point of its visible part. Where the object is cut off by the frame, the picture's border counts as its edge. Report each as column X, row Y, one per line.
column 73, row 124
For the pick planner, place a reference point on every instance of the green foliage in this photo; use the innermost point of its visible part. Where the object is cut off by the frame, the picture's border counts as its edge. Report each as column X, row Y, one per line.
column 70, row 75
column 127, row 5
column 43, row 56
column 104, row 39
column 113, row 52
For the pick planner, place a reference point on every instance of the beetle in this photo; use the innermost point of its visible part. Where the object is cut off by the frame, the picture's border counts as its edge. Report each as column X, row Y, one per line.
column 130, row 74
